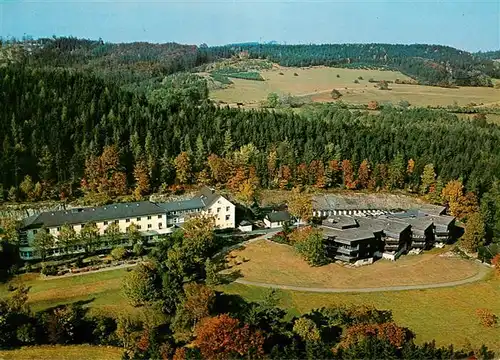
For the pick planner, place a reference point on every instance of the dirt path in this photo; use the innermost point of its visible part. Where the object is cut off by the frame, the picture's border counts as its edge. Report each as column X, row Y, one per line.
column 483, row 271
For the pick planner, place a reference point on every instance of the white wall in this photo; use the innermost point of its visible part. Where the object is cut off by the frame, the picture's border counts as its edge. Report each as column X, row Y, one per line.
column 224, row 212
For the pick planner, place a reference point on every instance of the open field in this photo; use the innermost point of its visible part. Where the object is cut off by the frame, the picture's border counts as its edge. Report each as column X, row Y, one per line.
column 68, row 352
column 273, row 263
column 446, row 314
column 317, row 83
column 101, row 292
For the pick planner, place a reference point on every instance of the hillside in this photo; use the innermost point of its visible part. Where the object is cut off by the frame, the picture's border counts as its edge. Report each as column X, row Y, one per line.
column 144, row 64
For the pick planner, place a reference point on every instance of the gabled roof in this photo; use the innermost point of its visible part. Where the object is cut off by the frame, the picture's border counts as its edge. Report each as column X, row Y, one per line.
column 93, row 214
column 207, row 195
column 348, row 235
column 277, row 216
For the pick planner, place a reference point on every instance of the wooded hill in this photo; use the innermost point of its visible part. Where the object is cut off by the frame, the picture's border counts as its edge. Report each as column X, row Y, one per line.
column 144, row 64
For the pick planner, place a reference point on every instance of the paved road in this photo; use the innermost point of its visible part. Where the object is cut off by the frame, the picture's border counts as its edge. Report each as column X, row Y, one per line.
column 483, row 271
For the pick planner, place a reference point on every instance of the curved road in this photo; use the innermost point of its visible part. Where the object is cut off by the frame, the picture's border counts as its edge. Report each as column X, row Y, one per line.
column 483, row 270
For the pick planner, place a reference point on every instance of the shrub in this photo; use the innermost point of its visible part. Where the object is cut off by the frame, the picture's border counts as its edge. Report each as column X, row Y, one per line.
column 486, row 317
column 356, row 81
column 336, row 94
column 140, row 285
column 360, row 78
column 338, row 75
column 295, row 74
column 119, row 253
column 312, row 249
column 139, row 249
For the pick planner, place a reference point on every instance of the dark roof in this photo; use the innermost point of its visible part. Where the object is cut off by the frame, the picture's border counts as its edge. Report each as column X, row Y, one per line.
column 348, row 235
column 95, row 214
column 207, row 195
column 432, row 209
column 182, row 205
column 388, row 226
column 340, row 222
column 276, row 216
column 418, row 224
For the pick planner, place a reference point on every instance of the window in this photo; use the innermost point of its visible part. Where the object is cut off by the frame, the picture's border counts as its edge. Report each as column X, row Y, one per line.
column 149, row 217
column 150, row 226
column 227, row 217
column 209, row 211
column 127, row 220
column 116, row 221
column 58, row 228
column 227, row 208
column 218, row 210
column 160, row 225
column 159, row 216
column 138, row 219
column 138, row 227
column 34, row 232
column 105, row 223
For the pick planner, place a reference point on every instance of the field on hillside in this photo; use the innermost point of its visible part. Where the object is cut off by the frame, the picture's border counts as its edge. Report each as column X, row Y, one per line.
column 101, row 292
column 68, row 352
column 273, row 263
column 317, row 83
column 445, row 314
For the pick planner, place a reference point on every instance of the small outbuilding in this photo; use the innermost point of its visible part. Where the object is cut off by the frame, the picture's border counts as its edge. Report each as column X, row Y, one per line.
column 245, row 226
column 276, row 219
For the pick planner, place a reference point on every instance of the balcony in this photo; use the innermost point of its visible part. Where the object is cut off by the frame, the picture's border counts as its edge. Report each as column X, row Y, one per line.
column 345, row 249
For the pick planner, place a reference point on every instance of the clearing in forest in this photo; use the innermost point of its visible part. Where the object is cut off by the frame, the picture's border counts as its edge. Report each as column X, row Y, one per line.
column 316, row 83
column 67, row 352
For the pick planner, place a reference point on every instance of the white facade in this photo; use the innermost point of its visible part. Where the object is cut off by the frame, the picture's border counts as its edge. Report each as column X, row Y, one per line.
column 273, row 225
column 224, row 213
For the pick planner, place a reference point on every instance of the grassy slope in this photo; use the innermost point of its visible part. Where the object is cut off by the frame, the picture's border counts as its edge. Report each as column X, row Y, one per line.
column 101, row 292
column 319, row 81
column 445, row 314
column 69, row 352
column 280, row 264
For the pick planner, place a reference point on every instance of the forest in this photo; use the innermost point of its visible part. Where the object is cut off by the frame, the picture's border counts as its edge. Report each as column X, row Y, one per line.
column 140, row 66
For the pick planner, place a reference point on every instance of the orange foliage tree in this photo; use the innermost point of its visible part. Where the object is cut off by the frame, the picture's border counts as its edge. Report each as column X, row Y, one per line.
column 103, row 174
column 285, row 177
column 348, row 174
column 220, row 169
column 394, row 334
column 364, row 172
column 496, row 263
column 300, row 205
column 141, row 176
column 223, row 337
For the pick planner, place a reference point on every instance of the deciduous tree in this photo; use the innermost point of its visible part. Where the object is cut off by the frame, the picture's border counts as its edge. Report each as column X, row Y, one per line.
column 474, row 232
column 141, row 176
column 183, row 167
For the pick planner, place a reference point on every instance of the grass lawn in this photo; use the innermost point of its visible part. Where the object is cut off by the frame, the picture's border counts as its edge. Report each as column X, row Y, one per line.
column 101, row 291
column 274, row 263
column 318, row 82
column 69, row 352
column 445, row 314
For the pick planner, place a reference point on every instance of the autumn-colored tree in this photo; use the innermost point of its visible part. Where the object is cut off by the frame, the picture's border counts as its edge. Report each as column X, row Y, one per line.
column 183, row 168
column 452, row 194
column 220, row 169
column 223, row 337
column 306, row 329
column 141, row 176
column 113, row 233
column 302, row 174
column 317, row 171
column 364, row 172
column 394, row 334
column 89, row 236
column 410, row 167
column 285, row 177
column 469, row 204
column 27, row 188
column 103, row 174
column 373, row 105
column 486, row 317
column 334, row 173
column 272, row 165
column 348, row 174
column 180, row 354
column 428, row 178
column 199, row 234
column 474, row 232
column 496, row 263
column 300, row 205
column 300, row 234
column 199, row 300
column 238, row 177
column 67, row 236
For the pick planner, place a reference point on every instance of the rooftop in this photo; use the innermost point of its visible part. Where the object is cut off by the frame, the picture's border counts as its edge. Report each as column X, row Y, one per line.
column 277, row 216
column 93, row 214
column 348, row 235
column 182, row 205
column 340, row 222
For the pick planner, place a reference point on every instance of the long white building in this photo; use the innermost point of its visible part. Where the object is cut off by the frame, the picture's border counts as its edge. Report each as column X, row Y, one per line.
column 151, row 219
